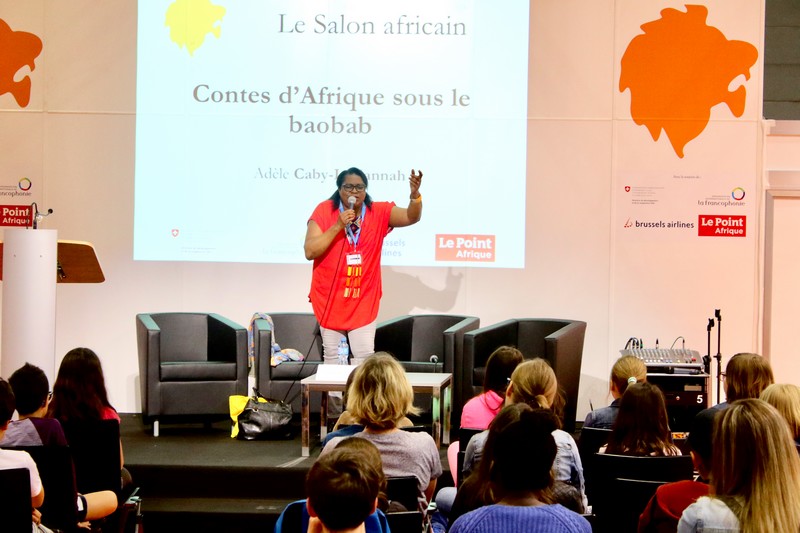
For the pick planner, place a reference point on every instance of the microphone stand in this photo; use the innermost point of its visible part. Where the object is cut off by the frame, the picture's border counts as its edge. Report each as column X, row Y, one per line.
column 37, row 216
column 718, row 357
column 707, row 357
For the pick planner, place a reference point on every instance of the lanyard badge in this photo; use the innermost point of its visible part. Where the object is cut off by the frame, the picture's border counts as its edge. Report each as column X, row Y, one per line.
column 355, row 267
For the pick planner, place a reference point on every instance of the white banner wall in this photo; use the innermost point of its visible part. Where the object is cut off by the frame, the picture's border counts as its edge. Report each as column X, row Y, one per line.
column 76, row 138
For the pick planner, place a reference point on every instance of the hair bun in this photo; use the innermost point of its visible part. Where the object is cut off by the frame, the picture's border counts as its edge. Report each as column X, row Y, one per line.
column 632, row 380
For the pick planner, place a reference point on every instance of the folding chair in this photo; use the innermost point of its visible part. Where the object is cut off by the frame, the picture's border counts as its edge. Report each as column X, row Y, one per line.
column 608, row 506
column 403, row 490
column 15, row 499
column 589, row 442
column 59, row 510
column 96, row 454
column 464, row 436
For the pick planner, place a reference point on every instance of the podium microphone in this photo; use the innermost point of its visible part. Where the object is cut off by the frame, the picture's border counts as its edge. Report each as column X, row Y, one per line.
column 37, row 216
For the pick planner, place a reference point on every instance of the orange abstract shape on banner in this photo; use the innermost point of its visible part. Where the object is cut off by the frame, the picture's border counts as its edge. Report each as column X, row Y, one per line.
column 681, row 68
column 17, row 49
column 477, row 248
column 190, row 20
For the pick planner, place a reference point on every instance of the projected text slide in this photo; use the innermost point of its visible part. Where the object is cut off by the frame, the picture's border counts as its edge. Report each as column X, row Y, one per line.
column 247, row 110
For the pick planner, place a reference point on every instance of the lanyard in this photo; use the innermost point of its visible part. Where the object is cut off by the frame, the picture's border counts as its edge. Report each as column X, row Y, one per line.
column 354, row 236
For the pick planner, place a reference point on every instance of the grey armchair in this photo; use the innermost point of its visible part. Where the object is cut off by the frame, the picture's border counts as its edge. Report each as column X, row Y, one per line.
column 299, row 331
column 189, row 364
column 414, row 339
column 560, row 342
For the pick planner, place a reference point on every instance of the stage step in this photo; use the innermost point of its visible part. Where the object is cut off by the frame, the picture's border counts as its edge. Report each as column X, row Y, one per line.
column 199, row 479
column 211, row 514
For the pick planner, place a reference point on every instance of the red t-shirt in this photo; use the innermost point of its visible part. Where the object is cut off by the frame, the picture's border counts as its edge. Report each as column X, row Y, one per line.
column 109, row 414
column 665, row 508
column 332, row 307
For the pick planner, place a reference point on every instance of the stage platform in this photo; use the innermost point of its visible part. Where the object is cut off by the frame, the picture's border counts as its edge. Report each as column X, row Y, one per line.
column 196, row 478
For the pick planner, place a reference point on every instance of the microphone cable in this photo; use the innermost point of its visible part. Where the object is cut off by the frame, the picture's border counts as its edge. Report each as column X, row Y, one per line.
column 325, row 311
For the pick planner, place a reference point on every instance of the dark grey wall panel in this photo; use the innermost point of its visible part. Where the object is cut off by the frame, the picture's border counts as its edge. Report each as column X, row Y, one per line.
column 782, row 60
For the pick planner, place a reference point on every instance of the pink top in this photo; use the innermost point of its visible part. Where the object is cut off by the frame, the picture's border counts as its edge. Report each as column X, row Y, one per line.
column 481, row 410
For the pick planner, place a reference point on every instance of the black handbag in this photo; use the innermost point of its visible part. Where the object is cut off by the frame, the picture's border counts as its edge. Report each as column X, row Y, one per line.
column 264, row 418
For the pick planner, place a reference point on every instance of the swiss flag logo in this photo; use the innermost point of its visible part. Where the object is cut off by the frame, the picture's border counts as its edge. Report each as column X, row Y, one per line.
column 175, row 232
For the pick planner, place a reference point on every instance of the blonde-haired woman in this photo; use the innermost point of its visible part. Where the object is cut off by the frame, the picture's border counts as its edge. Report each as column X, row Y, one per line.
column 533, row 382
column 755, row 476
column 785, row 397
column 626, row 371
column 379, row 398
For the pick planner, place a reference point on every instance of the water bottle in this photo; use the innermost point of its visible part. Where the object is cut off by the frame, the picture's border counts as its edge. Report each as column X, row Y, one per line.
column 344, row 352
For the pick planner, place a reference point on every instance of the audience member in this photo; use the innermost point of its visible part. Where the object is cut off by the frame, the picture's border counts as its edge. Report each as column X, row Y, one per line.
column 10, row 459
column 32, row 393
column 79, row 394
column 670, row 500
column 32, row 389
column 521, row 477
column 533, row 382
column 746, row 376
column 477, row 491
column 347, row 425
column 479, row 411
column 642, row 425
column 755, row 474
column 626, row 371
column 343, row 489
column 786, row 399
column 379, row 398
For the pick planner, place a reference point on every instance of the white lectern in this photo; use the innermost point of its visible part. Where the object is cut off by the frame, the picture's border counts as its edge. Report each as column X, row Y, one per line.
column 33, row 261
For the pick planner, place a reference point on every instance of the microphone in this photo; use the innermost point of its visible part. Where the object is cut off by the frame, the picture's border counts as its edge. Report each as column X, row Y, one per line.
column 434, row 359
column 351, row 202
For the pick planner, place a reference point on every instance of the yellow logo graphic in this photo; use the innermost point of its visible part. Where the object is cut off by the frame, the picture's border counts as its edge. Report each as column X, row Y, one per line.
column 189, row 22
column 681, row 68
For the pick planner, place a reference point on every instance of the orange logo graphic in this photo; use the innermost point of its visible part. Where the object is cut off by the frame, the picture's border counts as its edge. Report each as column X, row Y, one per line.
column 479, row 248
column 678, row 70
column 17, row 49
column 190, row 20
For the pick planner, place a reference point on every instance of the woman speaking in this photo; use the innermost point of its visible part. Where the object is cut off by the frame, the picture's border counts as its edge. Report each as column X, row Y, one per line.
column 344, row 238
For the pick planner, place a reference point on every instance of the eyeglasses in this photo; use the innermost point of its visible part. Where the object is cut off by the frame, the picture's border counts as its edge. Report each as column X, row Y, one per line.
column 358, row 188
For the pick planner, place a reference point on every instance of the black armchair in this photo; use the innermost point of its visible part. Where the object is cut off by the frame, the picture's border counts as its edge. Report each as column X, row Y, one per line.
column 560, row 342
column 189, row 364
column 299, row 331
column 414, row 339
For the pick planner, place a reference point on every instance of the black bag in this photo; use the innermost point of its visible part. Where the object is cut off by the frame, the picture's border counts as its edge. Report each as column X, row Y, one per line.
column 265, row 419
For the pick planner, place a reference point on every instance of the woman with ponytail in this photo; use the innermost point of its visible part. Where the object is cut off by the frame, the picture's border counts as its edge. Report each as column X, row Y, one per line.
column 626, row 371
column 642, row 425
column 534, row 383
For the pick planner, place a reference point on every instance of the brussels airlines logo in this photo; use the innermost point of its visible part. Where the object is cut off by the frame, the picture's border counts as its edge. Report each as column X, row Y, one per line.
column 189, row 22
column 678, row 70
column 18, row 49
